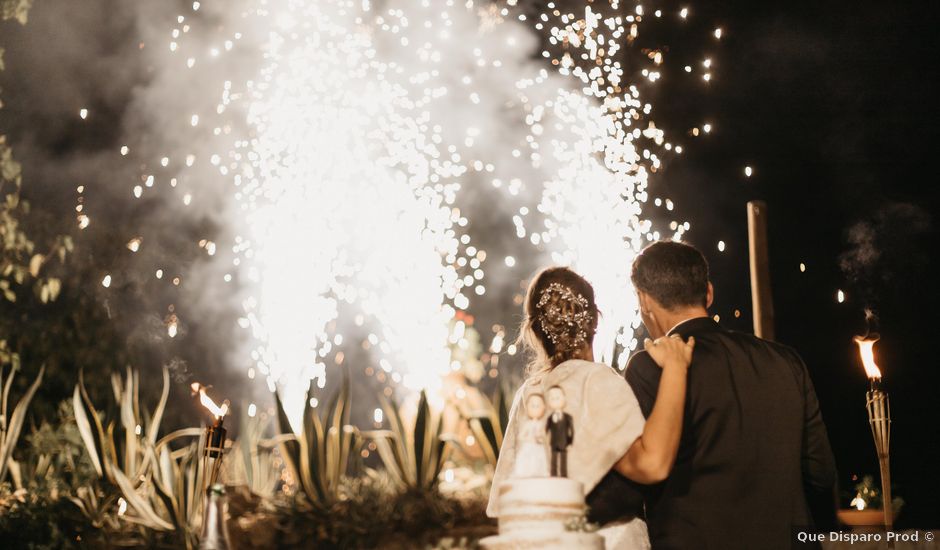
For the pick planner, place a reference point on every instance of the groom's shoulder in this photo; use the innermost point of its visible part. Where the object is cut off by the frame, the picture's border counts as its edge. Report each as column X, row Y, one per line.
column 782, row 351
column 641, row 365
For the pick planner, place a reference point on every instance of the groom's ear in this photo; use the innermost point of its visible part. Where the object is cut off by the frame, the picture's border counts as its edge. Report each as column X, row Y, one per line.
column 644, row 300
column 709, row 295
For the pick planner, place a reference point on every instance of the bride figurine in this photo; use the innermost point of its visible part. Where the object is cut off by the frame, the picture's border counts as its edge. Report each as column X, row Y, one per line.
column 531, row 454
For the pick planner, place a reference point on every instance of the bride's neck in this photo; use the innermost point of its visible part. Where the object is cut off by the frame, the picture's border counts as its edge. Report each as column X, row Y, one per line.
column 586, row 353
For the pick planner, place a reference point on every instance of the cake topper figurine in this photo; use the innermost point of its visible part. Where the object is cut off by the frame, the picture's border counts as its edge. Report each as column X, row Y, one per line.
column 531, row 455
column 561, row 431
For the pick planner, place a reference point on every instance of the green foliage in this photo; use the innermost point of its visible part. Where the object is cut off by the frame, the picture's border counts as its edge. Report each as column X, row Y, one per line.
column 20, row 263
column 373, row 512
column 24, row 268
column 162, row 488
column 11, row 426
column 35, row 511
column 32, row 520
column 413, row 456
column 252, row 462
column 54, row 460
column 321, row 455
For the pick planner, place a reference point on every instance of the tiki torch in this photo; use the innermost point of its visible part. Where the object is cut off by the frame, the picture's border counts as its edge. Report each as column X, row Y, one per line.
column 215, row 438
column 879, row 417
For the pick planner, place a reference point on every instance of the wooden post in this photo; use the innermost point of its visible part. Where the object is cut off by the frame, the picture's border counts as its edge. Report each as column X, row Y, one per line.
column 761, row 297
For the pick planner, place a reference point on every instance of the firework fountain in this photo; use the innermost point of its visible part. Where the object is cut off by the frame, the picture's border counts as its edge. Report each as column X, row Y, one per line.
column 355, row 141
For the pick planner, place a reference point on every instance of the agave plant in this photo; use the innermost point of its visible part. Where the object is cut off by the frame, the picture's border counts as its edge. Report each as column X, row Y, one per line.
column 12, row 426
column 489, row 424
column 252, row 460
column 179, row 485
column 321, row 455
column 161, row 487
column 413, row 457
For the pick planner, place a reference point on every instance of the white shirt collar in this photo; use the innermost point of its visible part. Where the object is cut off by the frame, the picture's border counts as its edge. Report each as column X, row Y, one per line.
column 680, row 323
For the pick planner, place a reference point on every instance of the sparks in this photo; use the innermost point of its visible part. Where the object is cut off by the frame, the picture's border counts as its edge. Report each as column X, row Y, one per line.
column 346, row 165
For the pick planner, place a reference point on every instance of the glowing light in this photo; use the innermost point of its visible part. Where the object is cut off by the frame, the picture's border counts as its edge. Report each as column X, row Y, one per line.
column 83, row 114
column 377, row 416
column 346, row 164
column 106, row 282
column 718, row 33
column 866, row 350
column 802, row 267
column 134, row 244
column 207, row 402
column 840, row 296
column 602, row 157
column 387, row 241
column 252, row 410
column 748, row 171
column 721, row 246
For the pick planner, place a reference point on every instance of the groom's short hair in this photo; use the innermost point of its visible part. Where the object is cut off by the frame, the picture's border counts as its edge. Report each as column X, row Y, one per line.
column 674, row 274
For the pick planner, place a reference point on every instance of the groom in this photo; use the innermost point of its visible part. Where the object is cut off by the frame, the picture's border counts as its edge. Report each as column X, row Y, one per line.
column 753, row 440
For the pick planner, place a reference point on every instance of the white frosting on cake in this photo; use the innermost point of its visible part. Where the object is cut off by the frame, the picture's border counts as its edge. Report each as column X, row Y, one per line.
column 534, row 512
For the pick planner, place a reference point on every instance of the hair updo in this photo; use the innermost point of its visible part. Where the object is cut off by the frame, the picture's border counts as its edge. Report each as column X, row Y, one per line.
column 560, row 318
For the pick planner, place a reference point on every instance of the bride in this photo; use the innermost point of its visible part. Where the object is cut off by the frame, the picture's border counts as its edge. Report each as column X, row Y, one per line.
column 609, row 429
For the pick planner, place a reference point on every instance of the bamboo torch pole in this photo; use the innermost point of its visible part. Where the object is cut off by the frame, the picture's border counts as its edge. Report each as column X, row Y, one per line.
column 761, row 298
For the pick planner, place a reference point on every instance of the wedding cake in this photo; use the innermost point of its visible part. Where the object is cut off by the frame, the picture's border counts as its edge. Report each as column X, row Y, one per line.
column 540, row 512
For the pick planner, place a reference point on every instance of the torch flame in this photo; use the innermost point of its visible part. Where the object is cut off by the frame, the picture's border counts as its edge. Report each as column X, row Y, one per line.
column 207, row 401
column 866, row 348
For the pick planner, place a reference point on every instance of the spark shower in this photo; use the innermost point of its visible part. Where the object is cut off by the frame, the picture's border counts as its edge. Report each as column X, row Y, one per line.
column 347, row 145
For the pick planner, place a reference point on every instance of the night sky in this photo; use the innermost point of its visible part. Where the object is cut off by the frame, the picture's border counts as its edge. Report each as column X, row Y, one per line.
column 834, row 107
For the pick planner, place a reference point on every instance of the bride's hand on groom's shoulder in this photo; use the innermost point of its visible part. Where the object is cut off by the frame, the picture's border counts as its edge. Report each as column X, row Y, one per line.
column 671, row 351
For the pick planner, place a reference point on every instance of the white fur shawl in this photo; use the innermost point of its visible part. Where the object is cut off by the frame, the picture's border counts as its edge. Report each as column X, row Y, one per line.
column 607, row 420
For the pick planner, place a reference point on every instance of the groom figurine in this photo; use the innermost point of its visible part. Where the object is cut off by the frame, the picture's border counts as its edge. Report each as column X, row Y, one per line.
column 754, row 449
column 561, row 431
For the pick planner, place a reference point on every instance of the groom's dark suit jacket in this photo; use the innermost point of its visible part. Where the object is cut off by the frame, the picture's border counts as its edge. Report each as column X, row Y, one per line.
column 753, row 447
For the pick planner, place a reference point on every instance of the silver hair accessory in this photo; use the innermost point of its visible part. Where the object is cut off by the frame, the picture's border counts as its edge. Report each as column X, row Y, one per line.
column 565, row 316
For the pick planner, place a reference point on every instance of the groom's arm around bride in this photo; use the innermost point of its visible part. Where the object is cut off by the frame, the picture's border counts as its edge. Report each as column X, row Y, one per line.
column 753, row 437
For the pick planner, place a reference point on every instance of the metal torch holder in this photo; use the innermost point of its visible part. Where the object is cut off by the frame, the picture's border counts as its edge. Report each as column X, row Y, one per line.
column 879, row 416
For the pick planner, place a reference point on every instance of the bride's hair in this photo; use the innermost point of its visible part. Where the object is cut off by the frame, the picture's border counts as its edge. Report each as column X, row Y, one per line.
column 560, row 318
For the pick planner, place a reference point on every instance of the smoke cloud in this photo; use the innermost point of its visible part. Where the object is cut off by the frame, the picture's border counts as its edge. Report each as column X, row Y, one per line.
column 886, row 250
